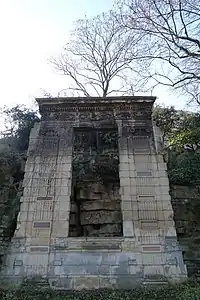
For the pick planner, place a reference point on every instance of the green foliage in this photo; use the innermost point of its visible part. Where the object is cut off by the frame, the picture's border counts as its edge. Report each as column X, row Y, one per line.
column 167, row 119
column 189, row 133
column 184, row 291
column 19, row 120
column 10, row 176
column 13, row 145
column 179, row 128
column 182, row 132
column 185, row 168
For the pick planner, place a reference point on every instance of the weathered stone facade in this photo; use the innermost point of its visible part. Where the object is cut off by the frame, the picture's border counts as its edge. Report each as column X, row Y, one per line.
column 101, row 225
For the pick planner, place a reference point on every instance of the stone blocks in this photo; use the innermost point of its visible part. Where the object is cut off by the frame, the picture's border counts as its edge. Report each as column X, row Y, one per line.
column 148, row 250
column 99, row 269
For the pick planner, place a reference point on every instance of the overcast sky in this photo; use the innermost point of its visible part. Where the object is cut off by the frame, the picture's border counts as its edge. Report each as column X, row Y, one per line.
column 31, row 31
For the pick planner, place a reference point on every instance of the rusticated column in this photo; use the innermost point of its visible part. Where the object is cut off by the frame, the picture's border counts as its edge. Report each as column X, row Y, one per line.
column 43, row 220
column 146, row 206
column 126, row 169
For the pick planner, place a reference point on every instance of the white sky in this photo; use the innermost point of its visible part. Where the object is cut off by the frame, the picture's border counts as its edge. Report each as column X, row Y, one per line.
column 31, row 31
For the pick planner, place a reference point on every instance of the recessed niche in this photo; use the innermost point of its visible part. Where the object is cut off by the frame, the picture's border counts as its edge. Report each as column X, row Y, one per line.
column 95, row 200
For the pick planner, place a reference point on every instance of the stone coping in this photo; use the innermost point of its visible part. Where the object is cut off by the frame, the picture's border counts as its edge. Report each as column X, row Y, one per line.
column 93, row 103
column 95, row 100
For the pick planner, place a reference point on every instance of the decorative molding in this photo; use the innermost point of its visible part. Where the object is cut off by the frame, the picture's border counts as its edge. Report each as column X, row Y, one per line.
column 145, row 198
column 144, row 174
column 44, row 198
column 152, row 248
column 122, row 107
column 41, row 225
column 44, row 249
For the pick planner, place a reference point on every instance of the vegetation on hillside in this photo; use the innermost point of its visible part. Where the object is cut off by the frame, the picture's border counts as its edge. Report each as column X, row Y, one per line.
column 184, row 291
column 181, row 133
column 13, row 145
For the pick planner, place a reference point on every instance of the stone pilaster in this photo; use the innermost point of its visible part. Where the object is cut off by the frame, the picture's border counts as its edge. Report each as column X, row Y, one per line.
column 146, row 204
column 45, row 204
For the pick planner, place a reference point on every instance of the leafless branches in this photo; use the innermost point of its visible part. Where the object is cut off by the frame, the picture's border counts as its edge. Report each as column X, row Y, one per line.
column 100, row 57
column 172, row 28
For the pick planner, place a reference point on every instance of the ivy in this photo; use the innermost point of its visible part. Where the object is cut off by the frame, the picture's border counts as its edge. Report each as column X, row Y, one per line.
column 184, row 168
column 184, row 291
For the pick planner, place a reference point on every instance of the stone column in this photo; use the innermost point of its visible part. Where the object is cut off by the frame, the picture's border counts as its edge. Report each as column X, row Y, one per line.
column 126, row 169
column 43, row 221
column 146, row 207
column 62, row 191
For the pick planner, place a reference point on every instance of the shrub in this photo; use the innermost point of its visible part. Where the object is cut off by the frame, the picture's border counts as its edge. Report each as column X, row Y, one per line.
column 183, row 291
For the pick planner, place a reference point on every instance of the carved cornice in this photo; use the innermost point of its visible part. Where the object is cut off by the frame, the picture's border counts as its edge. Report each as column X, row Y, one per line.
column 75, row 104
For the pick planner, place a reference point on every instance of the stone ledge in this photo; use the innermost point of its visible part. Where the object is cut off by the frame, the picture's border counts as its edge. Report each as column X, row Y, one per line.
column 101, row 246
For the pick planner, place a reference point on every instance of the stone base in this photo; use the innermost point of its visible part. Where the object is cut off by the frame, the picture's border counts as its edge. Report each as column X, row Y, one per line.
column 95, row 267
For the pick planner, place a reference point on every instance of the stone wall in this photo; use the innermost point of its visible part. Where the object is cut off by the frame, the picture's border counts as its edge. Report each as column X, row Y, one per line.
column 147, row 252
column 96, row 211
column 186, row 206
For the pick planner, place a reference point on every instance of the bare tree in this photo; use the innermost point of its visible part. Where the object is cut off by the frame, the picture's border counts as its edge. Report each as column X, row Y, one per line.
column 100, row 58
column 173, row 31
